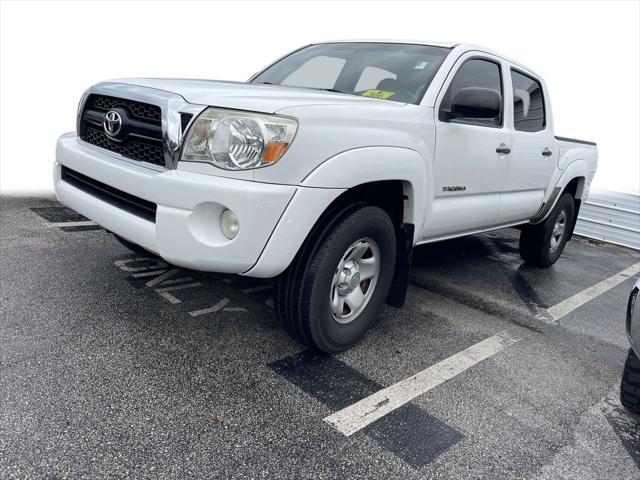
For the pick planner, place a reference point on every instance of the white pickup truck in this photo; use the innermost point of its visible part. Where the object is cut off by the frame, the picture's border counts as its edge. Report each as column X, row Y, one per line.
column 324, row 170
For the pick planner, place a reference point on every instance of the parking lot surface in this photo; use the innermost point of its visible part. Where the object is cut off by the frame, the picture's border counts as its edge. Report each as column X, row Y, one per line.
column 113, row 365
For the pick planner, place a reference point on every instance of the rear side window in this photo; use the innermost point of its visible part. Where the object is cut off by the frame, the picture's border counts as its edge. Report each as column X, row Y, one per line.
column 475, row 73
column 528, row 103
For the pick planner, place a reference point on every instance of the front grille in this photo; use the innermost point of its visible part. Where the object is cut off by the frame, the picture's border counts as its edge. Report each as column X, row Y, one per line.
column 143, row 151
column 143, row 111
column 140, row 137
column 123, row 200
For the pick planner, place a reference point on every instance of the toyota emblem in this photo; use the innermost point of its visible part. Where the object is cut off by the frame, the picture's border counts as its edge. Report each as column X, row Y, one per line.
column 112, row 123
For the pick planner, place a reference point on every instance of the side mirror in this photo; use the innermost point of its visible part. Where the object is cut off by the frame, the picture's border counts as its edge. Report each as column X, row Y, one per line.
column 476, row 102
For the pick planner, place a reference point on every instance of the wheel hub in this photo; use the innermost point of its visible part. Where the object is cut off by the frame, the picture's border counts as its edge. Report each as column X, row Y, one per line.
column 355, row 279
column 558, row 231
column 349, row 278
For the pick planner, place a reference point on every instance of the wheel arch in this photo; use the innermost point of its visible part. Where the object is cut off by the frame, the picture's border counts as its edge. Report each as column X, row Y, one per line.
column 362, row 169
column 575, row 187
column 392, row 178
column 572, row 180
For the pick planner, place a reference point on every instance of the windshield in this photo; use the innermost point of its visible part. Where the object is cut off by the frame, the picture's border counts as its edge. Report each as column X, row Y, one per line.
column 388, row 71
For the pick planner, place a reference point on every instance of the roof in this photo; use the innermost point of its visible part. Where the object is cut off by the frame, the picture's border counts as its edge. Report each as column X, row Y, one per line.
column 380, row 40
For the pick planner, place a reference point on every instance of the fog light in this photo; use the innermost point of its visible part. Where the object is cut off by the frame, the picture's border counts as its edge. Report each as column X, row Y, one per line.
column 229, row 224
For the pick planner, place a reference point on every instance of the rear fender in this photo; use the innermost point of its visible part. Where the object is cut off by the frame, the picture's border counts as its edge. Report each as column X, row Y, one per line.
column 577, row 169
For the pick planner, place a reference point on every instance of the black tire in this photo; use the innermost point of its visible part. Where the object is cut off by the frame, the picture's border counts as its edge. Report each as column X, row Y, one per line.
column 535, row 240
column 630, row 386
column 302, row 292
column 134, row 247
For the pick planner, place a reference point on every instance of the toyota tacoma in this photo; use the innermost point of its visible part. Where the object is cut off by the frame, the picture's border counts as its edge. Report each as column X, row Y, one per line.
column 325, row 169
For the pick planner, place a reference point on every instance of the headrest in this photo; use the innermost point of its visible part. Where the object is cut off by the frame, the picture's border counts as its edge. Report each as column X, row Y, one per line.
column 388, row 84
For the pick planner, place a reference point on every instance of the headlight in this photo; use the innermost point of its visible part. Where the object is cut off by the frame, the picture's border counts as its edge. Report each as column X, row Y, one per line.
column 237, row 140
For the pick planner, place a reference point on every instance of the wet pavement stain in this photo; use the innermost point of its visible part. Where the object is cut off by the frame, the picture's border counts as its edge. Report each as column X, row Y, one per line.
column 626, row 425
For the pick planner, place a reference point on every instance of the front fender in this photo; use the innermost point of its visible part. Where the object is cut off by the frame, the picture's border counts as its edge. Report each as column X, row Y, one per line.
column 327, row 182
column 371, row 164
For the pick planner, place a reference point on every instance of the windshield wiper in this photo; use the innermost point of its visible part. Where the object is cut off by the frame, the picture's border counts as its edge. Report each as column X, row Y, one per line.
column 335, row 90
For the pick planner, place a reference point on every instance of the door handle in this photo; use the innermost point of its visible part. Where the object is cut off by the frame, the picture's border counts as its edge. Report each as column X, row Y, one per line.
column 503, row 149
column 546, row 152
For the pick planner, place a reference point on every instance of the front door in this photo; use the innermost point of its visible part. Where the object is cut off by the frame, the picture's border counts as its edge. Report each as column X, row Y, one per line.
column 471, row 154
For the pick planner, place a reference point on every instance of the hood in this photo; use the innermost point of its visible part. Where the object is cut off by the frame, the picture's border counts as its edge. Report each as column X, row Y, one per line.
column 250, row 96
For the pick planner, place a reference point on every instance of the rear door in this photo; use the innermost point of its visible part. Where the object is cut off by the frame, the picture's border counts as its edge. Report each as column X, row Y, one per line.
column 533, row 157
column 468, row 172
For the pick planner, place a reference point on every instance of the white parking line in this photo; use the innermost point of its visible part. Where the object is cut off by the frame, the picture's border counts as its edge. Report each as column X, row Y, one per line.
column 169, row 298
column 216, row 308
column 152, row 273
column 124, row 264
column 353, row 418
column 162, row 277
column 567, row 306
column 178, row 287
column 85, row 223
column 173, row 281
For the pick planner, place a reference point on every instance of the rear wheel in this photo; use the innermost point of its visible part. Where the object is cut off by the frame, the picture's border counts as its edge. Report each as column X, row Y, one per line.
column 630, row 386
column 331, row 294
column 541, row 245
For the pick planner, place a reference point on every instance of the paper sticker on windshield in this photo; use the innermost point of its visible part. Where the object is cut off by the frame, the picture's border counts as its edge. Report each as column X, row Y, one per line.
column 381, row 94
column 420, row 65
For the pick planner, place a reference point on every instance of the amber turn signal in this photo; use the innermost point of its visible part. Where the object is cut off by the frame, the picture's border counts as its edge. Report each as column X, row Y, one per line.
column 274, row 151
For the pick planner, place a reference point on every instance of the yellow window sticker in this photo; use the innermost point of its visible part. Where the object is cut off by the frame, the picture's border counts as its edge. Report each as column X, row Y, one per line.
column 381, row 94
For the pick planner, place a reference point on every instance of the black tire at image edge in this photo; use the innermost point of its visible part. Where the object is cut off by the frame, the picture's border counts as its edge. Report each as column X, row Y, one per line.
column 630, row 385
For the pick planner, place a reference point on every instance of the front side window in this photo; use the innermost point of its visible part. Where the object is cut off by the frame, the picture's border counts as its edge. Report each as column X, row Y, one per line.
column 528, row 103
column 387, row 71
column 482, row 81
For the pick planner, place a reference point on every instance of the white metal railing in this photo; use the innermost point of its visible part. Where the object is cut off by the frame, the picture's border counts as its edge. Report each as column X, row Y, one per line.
column 612, row 217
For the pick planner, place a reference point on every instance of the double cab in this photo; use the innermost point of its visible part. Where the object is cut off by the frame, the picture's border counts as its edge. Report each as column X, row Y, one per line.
column 325, row 169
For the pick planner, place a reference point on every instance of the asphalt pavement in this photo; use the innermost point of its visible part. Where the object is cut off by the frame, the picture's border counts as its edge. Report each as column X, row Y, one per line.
column 113, row 365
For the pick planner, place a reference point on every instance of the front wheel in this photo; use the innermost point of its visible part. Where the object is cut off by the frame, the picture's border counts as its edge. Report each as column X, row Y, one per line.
column 332, row 292
column 541, row 245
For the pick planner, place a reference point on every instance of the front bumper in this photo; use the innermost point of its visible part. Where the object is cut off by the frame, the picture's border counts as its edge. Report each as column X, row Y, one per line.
column 186, row 231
